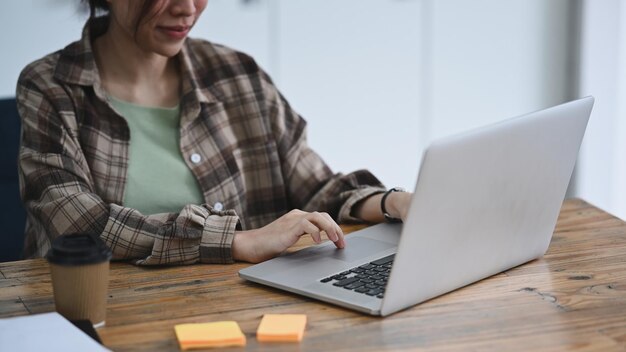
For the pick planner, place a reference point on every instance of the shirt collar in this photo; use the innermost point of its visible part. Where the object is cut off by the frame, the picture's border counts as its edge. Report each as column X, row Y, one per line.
column 77, row 65
column 194, row 89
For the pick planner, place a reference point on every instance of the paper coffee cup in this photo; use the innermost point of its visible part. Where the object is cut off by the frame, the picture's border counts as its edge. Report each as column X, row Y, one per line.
column 79, row 265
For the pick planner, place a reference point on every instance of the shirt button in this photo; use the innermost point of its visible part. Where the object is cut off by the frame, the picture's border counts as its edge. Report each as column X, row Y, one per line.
column 195, row 158
column 218, row 206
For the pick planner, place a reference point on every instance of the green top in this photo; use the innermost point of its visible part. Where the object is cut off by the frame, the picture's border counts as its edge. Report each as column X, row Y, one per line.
column 158, row 180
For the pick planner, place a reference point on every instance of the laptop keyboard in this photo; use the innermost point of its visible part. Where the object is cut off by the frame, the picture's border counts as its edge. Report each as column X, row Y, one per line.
column 369, row 279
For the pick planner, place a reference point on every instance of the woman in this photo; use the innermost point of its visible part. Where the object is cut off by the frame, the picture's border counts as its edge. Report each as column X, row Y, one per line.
column 128, row 130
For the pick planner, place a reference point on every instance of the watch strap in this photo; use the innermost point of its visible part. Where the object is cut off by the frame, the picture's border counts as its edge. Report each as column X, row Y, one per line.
column 388, row 217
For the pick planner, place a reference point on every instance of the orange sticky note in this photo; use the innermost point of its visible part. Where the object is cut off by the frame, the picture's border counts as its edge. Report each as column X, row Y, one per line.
column 217, row 334
column 281, row 328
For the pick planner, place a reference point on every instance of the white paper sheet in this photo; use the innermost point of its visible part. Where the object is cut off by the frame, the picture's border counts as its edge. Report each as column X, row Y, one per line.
column 48, row 332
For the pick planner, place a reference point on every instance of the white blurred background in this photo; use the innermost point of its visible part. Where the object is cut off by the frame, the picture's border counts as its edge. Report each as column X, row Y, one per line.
column 377, row 80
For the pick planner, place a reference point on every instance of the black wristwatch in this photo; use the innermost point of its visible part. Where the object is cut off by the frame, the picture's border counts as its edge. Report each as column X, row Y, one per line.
column 388, row 217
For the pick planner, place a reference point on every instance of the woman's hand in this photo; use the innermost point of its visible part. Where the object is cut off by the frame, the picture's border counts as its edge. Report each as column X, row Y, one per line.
column 269, row 241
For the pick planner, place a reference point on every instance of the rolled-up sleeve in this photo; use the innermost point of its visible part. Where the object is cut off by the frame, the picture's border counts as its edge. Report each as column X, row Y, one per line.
column 311, row 184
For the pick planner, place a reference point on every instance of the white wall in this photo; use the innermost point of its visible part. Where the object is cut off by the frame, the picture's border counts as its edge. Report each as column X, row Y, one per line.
column 352, row 69
column 493, row 59
column 30, row 30
column 602, row 172
column 248, row 26
column 378, row 80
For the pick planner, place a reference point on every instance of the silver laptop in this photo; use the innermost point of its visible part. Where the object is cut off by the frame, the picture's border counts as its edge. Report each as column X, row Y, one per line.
column 485, row 201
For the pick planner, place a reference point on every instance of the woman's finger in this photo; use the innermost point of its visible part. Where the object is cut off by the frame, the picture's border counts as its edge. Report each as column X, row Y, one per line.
column 339, row 241
column 324, row 223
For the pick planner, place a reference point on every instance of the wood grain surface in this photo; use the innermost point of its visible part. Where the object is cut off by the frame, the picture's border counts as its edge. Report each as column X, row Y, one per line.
column 574, row 298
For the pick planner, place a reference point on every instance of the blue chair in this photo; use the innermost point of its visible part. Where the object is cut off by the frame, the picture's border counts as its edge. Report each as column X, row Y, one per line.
column 12, row 213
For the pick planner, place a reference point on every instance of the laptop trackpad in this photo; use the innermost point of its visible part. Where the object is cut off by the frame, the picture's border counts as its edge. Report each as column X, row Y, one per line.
column 309, row 264
column 356, row 248
column 359, row 248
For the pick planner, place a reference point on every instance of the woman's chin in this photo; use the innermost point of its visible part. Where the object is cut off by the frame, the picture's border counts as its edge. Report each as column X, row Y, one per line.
column 168, row 50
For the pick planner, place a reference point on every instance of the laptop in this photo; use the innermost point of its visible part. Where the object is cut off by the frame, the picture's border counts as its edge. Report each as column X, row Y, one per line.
column 485, row 201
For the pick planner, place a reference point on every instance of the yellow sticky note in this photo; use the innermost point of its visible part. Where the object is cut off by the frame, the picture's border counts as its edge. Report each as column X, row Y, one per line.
column 281, row 328
column 217, row 334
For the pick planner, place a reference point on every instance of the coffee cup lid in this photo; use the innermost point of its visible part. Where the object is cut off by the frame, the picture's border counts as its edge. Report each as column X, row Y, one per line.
column 78, row 249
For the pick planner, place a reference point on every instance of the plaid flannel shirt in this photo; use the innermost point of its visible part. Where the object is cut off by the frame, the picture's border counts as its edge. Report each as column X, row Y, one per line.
column 254, row 158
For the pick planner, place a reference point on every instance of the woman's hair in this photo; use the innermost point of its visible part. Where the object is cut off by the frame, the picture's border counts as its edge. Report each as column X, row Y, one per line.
column 97, row 7
column 101, row 7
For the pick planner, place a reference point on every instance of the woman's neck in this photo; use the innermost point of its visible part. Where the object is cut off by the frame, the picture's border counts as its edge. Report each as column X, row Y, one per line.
column 132, row 74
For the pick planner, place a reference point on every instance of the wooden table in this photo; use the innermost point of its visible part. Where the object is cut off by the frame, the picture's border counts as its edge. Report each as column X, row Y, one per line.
column 574, row 298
